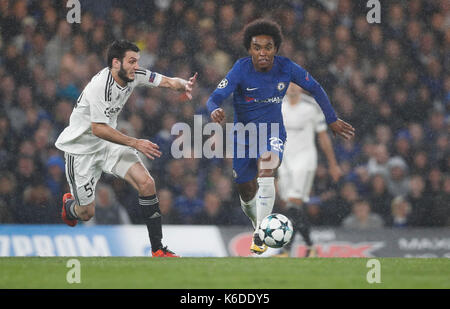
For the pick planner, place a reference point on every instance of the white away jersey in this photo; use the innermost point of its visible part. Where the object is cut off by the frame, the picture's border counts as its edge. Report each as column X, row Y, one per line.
column 101, row 101
column 302, row 121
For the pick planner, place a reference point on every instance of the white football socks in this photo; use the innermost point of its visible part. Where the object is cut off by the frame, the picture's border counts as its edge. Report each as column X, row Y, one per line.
column 249, row 209
column 265, row 198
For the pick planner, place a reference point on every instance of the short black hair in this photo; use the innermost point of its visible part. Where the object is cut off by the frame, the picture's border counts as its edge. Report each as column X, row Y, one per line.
column 118, row 49
column 263, row 27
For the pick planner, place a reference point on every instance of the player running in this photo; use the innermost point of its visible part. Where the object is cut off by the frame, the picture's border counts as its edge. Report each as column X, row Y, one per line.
column 302, row 119
column 92, row 145
column 258, row 84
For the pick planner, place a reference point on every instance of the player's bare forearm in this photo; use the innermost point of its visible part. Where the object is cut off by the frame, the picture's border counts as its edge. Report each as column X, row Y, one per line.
column 327, row 148
column 179, row 84
column 174, row 83
column 104, row 131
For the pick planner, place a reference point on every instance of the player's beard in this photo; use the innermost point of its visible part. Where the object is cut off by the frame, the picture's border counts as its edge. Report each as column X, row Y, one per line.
column 123, row 74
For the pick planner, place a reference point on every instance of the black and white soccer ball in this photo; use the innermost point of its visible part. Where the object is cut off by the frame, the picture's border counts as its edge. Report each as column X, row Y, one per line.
column 275, row 230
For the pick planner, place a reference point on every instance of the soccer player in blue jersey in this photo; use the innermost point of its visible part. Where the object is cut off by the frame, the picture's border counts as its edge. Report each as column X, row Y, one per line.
column 259, row 83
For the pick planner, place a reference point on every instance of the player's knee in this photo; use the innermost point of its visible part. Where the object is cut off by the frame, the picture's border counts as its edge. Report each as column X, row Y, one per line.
column 247, row 196
column 146, row 185
column 295, row 202
column 248, row 190
column 266, row 173
column 268, row 164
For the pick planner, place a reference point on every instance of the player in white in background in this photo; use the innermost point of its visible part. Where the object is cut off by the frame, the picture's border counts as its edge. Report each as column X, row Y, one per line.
column 303, row 119
column 92, row 145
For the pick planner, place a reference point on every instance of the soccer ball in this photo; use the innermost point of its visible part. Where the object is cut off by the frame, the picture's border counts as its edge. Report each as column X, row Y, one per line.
column 275, row 230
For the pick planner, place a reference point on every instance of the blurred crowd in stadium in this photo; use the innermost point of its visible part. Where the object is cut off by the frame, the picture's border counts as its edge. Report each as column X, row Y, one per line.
column 390, row 80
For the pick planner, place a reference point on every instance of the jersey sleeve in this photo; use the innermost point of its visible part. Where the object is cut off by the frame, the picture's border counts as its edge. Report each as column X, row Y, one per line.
column 147, row 78
column 226, row 86
column 302, row 78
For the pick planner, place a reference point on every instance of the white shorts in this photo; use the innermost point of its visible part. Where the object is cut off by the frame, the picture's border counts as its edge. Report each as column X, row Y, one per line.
column 84, row 170
column 295, row 182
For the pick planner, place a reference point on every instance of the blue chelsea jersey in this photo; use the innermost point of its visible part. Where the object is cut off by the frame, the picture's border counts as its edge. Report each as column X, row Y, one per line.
column 257, row 96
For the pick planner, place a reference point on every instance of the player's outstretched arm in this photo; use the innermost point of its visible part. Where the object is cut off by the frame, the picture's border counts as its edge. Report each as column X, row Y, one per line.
column 179, row 84
column 104, row 131
column 342, row 128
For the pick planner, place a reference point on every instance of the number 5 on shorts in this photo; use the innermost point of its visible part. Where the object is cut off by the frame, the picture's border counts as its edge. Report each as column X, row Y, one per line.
column 89, row 187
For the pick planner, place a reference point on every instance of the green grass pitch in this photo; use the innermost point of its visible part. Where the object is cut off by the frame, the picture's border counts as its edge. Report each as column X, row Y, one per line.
column 222, row 273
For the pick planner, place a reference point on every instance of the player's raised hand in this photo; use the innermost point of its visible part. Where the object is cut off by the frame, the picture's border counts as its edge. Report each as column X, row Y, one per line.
column 218, row 115
column 190, row 85
column 343, row 129
column 149, row 149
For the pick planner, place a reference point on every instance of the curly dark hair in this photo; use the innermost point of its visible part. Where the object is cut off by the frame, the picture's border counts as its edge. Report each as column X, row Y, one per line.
column 262, row 27
column 118, row 49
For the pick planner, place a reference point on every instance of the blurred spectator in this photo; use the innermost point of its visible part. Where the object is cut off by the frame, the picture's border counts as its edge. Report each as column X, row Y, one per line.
column 441, row 209
column 400, row 213
column 8, row 197
column 169, row 214
column 421, row 203
column 66, row 88
column 149, row 54
column 416, row 134
column 107, row 209
column 347, row 150
column 397, row 180
column 324, row 188
column 210, row 54
column 378, row 161
column 188, row 204
column 341, row 207
column 5, row 214
column 8, row 142
column 362, row 218
column 403, row 147
column 379, row 196
column 173, row 178
column 383, row 134
column 56, row 179
column 17, row 111
column 361, row 178
column 126, row 196
column 314, row 212
column 57, row 47
column 420, row 164
column 151, row 117
column 37, row 206
column 62, row 111
column 27, row 173
column 434, row 181
column 213, row 211
column 224, row 188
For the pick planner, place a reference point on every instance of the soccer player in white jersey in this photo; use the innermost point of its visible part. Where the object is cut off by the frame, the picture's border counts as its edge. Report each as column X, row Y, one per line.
column 92, row 144
column 303, row 120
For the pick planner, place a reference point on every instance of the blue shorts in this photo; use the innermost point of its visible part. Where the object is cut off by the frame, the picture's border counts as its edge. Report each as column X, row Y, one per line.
column 245, row 168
